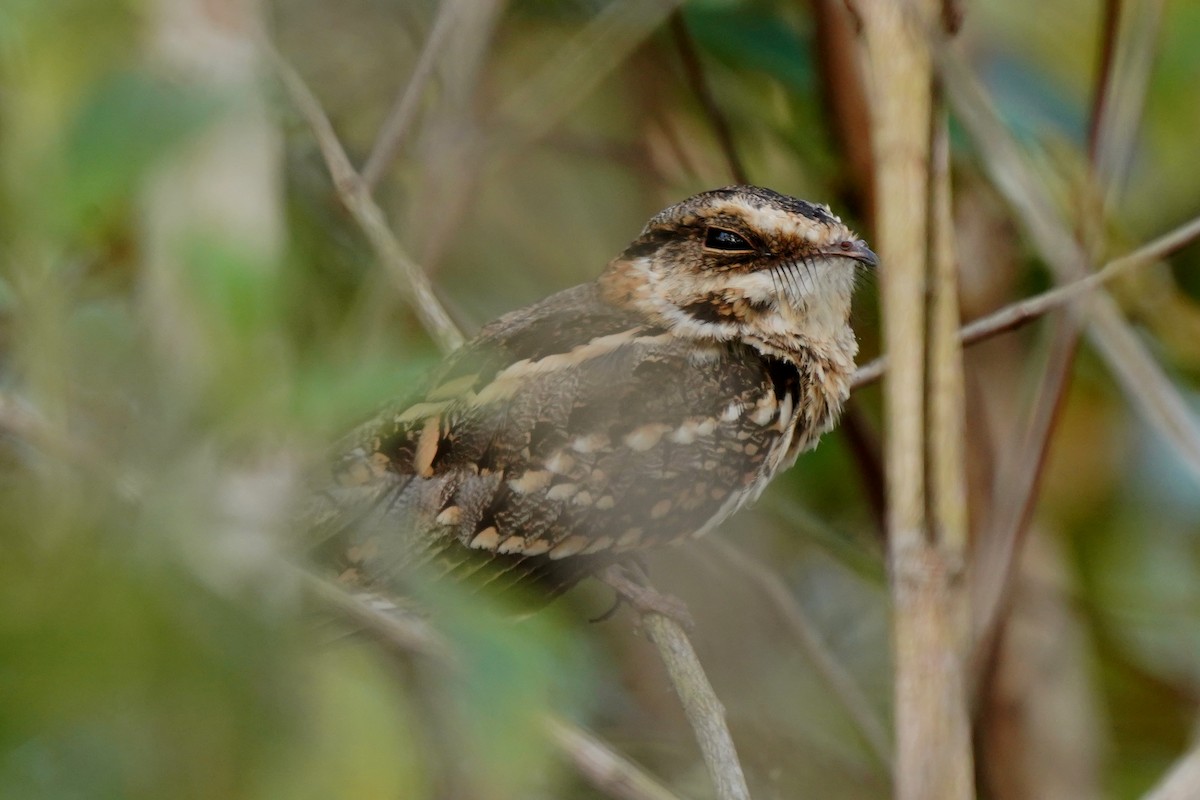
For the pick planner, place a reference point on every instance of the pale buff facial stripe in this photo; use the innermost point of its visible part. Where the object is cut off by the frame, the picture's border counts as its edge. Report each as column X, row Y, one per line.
column 509, row 380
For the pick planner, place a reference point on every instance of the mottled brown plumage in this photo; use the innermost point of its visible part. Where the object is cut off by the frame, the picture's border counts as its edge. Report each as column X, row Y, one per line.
column 633, row 411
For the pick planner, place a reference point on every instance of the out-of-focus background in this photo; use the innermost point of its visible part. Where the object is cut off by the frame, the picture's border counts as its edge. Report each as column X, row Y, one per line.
column 189, row 315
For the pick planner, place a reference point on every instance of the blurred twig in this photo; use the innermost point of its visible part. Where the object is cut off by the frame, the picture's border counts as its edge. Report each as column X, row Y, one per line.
column 1142, row 379
column 607, row 770
column 1000, row 546
column 391, row 134
column 581, row 64
column 1183, row 780
column 408, row 635
column 405, row 633
column 704, row 711
column 835, row 676
column 695, row 75
column 407, row 276
column 1025, row 311
column 1134, row 48
column 1104, row 70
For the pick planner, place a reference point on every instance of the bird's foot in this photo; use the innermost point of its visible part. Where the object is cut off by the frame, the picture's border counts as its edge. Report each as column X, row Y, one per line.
column 631, row 587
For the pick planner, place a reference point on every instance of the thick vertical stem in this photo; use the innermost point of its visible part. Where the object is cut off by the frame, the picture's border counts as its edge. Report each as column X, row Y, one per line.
column 926, row 523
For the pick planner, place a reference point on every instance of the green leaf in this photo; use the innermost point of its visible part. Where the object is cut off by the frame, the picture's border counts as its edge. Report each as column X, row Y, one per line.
column 748, row 38
column 127, row 125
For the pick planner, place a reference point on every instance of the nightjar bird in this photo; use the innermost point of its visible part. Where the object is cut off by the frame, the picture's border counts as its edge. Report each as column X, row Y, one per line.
column 637, row 410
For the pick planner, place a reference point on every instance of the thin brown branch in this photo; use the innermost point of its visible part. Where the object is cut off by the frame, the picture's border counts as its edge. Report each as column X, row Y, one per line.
column 835, row 676
column 403, row 112
column 696, row 79
column 405, row 273
column 1141, row 378
column 663, row 619
column 1104, row 75
column 1025, row 311
column 704, row 711
column 1002, row 545
column 606, row 770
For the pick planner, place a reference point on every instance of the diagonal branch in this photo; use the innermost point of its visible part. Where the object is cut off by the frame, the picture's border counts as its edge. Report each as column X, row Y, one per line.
column 660, row 620
column 1000, row 546
column 408, row 636
column 836, row 677
column 1025, row 311
column 701, row 705
column 695, row 75
column 1136, row 370
column 606, row 769
column 356, row 195
column 391, row 134
column 579, row 66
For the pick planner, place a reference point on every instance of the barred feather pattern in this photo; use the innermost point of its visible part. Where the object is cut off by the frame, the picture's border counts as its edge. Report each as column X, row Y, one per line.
column 603, row 420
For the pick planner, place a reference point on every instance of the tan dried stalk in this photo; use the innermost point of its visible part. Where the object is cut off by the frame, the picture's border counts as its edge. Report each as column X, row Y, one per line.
column 933, row 749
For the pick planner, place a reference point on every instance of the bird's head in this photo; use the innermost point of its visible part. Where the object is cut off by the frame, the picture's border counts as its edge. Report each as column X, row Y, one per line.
column 743, row 263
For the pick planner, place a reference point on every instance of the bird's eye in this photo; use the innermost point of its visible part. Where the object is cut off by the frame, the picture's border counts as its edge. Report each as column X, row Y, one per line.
column 728, row 241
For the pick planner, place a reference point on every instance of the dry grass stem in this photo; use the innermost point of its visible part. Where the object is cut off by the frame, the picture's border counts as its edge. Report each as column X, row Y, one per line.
column 946, row 417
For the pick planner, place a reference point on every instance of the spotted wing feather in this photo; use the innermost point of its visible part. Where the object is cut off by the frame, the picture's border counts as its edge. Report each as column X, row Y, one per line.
column 567, row 429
